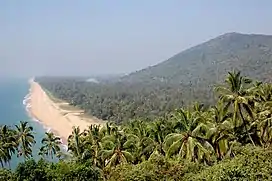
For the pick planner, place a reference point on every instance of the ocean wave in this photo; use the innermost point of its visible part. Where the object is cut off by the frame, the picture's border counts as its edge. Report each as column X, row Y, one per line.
column 26, row 99
column 49, row 130
column 35, row 120
column 26, row 102
column 64, row 147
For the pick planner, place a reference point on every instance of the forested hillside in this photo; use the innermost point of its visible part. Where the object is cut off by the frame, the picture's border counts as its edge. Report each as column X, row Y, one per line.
column 117, row 101
column 185, row 78
column 210, row 61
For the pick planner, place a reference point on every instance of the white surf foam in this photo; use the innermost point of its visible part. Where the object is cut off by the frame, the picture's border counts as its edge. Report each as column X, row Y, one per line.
column 64, row 147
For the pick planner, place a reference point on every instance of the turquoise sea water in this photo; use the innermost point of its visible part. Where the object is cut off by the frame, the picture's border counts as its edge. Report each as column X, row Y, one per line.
column 12, row 111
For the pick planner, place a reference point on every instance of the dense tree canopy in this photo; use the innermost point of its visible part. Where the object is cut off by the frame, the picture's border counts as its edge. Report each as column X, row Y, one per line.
column 122, row 101
column 230, row 140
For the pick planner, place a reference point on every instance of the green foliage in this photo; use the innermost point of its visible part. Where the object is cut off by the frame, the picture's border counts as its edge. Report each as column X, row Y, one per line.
column 25, row 139
column 8, row 144
column 228, row 141
column 65, row 171
column 252, row 164
column 46, row 171
column 6, row 174
column 155, row 169
column 158, row 168
column 51, row 145
column 117, row 102
column 31, row 170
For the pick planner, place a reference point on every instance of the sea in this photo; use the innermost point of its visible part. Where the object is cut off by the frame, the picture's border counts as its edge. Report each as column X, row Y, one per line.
column 14, row 95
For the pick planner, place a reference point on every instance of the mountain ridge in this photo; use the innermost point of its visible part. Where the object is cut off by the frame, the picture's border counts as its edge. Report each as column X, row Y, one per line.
column 187, row 77
column 228, row 48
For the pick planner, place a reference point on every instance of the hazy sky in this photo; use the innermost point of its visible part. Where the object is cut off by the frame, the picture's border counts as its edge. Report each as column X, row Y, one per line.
column 109, row 36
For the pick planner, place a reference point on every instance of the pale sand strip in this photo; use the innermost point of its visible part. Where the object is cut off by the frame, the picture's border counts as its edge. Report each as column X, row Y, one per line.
column 51, row 115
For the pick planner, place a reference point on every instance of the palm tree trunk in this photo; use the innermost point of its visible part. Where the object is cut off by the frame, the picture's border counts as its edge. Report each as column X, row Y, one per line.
column 235, row 114
column 244, row 123
column 263, row 133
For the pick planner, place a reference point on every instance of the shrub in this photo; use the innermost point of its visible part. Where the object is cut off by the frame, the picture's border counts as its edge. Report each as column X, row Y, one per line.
column 70, row 171
column 31, row 170
column 250, row 164
column 6, row 174
column 158, row 168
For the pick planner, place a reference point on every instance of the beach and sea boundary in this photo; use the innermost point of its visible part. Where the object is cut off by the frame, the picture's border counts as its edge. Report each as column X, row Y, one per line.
column 55, row 116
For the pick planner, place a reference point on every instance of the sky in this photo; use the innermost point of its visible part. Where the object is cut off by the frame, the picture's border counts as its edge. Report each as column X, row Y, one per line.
column 90, row 37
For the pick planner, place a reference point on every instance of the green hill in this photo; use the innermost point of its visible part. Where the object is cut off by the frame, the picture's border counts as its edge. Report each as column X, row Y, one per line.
column 209, row 62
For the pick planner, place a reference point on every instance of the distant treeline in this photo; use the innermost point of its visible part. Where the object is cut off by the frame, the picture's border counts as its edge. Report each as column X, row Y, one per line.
column 123, row 101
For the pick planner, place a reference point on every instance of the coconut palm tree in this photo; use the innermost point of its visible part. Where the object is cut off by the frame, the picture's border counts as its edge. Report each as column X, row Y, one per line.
column 109, row 128
column 220, row 130
column 8, row 144
column 75, row 143
column 50, row 145
column 264, row 123
column 25, row 137
column 236, row 93
column 262, row 92
column 114, row 150
column 3, row 154
column 92, row 142
column 154, row 142
column 189, row 142
column 141, row 137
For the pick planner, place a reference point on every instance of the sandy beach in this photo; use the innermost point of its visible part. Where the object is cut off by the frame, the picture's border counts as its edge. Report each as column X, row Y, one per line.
column 52, row 115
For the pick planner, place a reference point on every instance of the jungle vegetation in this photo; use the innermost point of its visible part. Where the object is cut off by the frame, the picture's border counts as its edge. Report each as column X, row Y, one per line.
column 230, row 140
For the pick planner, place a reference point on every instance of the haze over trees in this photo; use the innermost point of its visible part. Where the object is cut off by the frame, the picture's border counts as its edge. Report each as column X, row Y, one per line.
column 179, row 81
column 227, row 140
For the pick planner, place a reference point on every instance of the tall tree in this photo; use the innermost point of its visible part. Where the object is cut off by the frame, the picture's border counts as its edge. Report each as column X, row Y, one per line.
column 157, row 131
column 114, row 150
column 190, row 142
column 264, row 123
column 8, row 144
column 220, row 129
column 92, row 142
column 50, row 145
column 75, row 144
column 25, row 137
column 236, row 93
column 142, row 144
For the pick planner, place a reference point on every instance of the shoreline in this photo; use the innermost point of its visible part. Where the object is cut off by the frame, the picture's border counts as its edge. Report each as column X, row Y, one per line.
column 51, row 116
column 27, row 104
